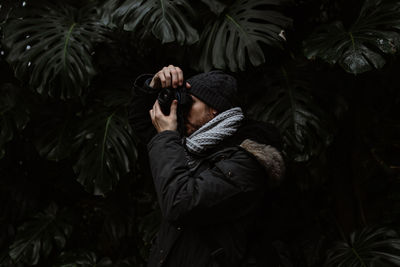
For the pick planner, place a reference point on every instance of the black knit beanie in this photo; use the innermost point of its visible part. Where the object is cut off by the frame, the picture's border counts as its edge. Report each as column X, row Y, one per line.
column 215, row 88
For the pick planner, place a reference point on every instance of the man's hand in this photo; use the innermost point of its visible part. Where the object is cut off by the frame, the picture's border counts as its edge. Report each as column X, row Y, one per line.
column 167, row 77
column 162, row 122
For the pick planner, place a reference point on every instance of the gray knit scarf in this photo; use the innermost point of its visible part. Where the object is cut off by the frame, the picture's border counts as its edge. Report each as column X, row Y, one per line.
column 213, row 132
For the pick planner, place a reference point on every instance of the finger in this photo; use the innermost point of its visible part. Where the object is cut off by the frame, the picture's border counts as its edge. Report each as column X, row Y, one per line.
column 167, row 76
column 163, row 80
column 174, row 106
column 157, row 109
column 174, row 77
column 188, row 85
column 180, row 75
column 151, row 115
column 156, row 105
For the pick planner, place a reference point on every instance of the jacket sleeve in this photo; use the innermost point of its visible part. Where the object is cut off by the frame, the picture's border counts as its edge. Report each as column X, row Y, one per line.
column 229, row 190
column 143, row 98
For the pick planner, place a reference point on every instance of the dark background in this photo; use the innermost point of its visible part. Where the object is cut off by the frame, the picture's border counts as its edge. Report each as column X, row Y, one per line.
column 75, row 186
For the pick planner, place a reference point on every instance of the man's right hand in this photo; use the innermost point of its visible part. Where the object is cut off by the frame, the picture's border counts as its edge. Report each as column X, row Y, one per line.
column 167, row 77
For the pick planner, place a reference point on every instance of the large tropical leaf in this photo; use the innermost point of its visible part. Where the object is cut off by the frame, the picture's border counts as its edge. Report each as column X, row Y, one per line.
column 362, row 47
column 169, row 21
column 367, row 248
column 14, row 113
column 37, row 237
column 290, row 105
column 236, row 34
column 106, row 151
column 52, row 46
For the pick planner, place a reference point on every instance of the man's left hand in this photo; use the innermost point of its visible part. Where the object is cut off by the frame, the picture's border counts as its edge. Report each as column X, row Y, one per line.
column 162, row 122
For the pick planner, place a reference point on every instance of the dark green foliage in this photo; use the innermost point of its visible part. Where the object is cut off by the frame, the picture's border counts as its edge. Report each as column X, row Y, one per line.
column 215, row 6
column 36, row 238
column 360, row 48
column 237, row 34
column 106, row 151
column 55, row 143
column 51, row 45
column 75, row 185
column 366, row 248
column 82, row 259
column 169, row 21
column 13, row 113
column 289, row 103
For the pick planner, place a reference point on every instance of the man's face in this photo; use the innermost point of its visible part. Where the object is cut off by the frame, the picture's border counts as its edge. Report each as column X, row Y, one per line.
column 199, row 114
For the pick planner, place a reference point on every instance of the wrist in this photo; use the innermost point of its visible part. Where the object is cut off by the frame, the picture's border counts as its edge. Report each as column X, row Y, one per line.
column 173, row 129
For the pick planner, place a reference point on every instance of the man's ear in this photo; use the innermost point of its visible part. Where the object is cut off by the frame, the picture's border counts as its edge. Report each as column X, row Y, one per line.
column 214, row 112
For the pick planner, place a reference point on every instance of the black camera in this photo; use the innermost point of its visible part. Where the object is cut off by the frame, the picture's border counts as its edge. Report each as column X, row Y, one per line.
column 167, row 95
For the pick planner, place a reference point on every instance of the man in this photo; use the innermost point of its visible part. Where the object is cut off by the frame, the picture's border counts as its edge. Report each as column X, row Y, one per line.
column 210, row 183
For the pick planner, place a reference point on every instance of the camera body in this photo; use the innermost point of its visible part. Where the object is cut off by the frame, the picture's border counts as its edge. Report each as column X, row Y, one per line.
column 167, row 95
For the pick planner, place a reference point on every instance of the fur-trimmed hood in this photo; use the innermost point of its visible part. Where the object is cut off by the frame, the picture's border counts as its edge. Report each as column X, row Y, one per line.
column 264, row 141
column 269, row 157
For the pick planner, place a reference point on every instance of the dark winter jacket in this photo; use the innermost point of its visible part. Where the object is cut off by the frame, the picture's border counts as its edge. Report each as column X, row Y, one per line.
column 210, row 212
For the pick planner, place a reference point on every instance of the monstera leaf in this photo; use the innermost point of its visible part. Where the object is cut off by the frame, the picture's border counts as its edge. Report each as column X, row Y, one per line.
column 106, row 150
column 237, row 34
column 168, row 20
column 367, row 248
column 362, row 47
column 52, row 46
column 290, row 105
column 14, row 113
column 36, row 238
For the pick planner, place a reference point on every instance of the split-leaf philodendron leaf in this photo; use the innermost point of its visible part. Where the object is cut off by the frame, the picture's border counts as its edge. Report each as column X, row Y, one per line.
column 106, row 151
column 168, row 20
column 36, row 238
column 362, row 47
column 52, row 46
column 289, row 104
column 237, row 33
column 368, row 247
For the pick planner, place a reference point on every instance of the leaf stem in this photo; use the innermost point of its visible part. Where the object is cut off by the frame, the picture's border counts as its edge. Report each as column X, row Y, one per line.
column 352, row 40
column 163, row 8
column 66, row 43
column 291, row 97
column 236, row 24
column 104, row 140
column 358, row 257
